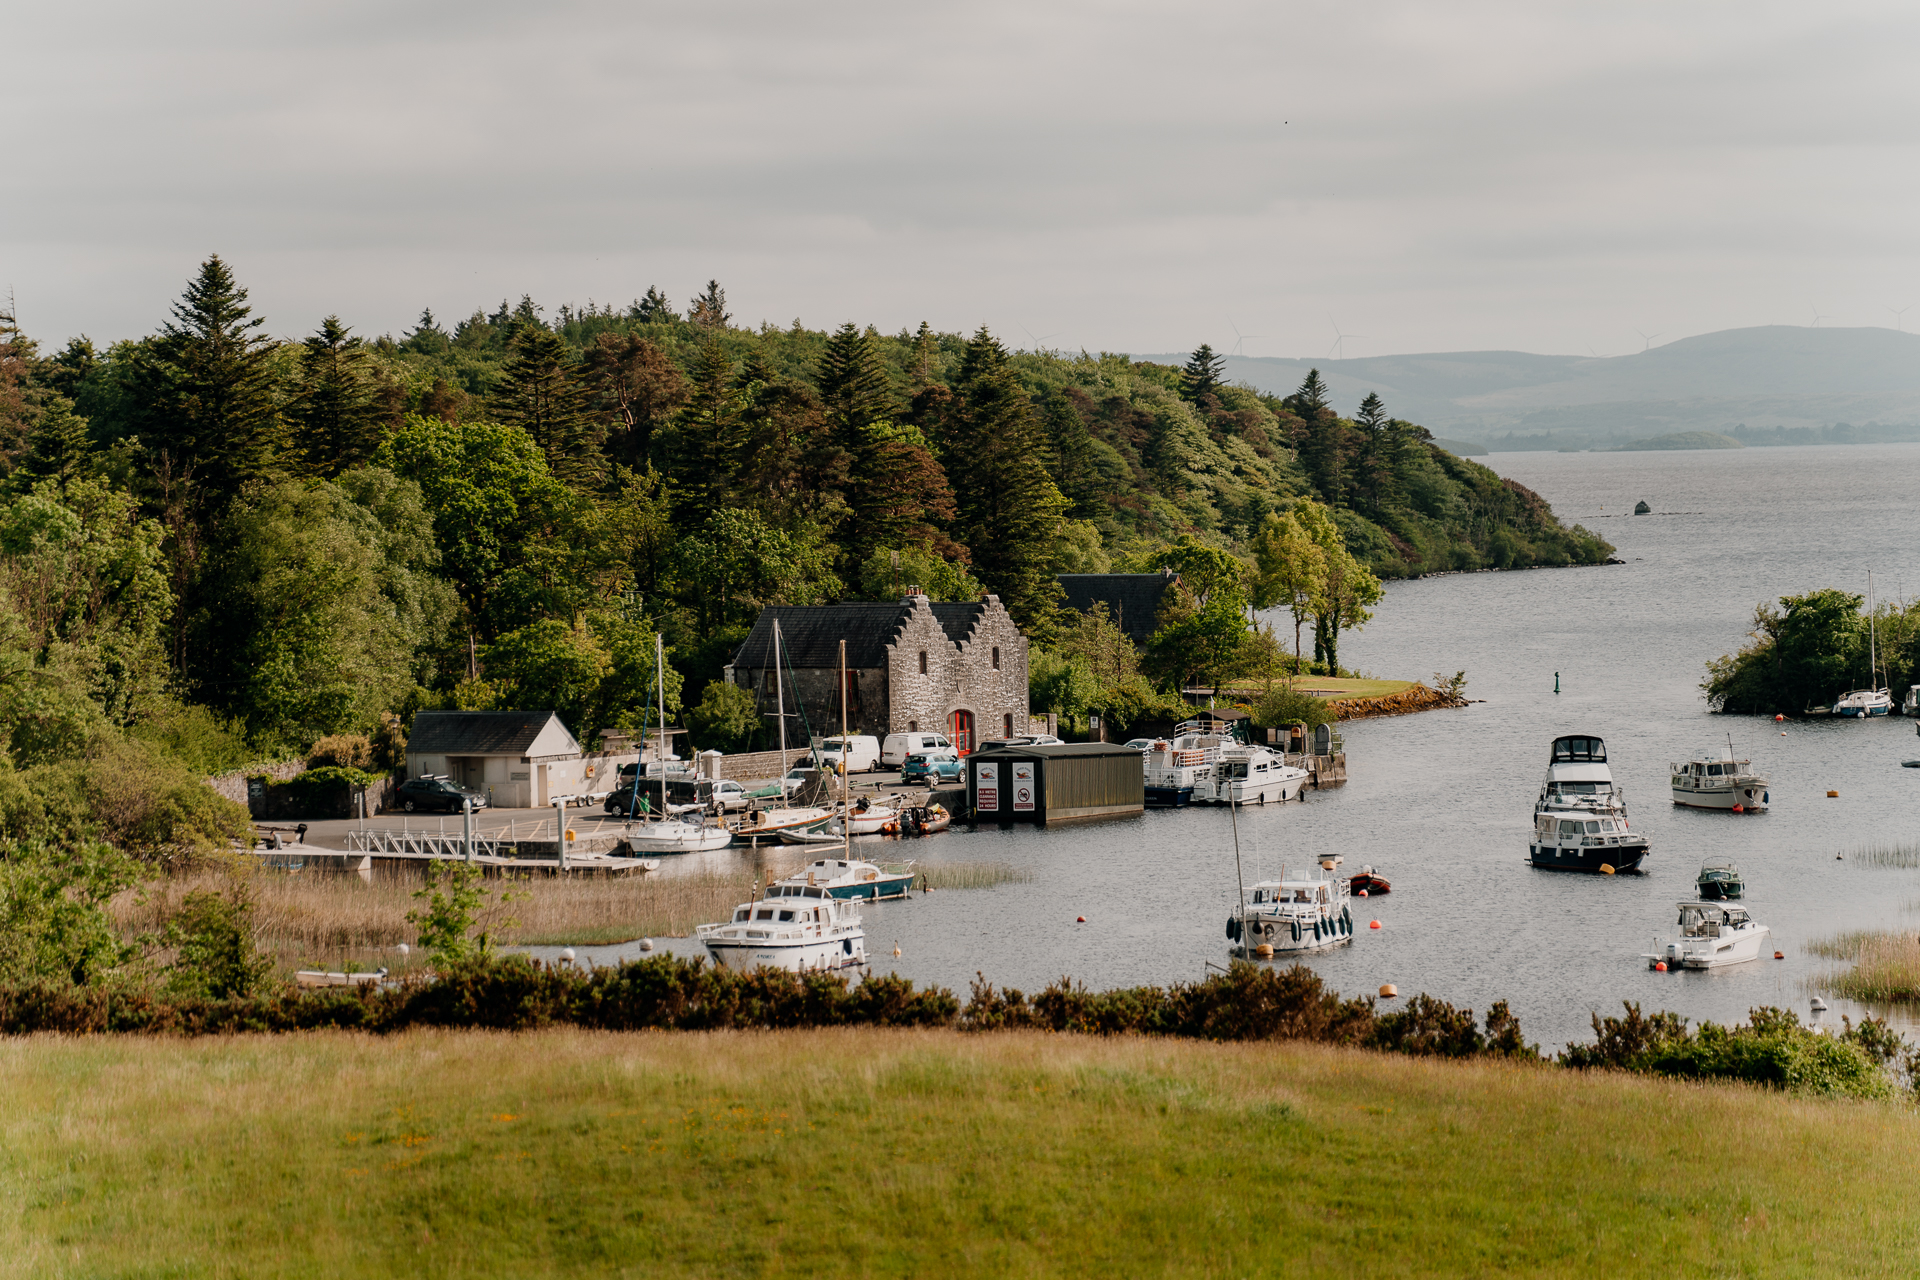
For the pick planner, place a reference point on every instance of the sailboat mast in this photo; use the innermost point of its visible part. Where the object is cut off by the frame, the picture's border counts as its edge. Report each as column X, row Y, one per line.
column 660, row 679
column 1873, row 648
column 780, row 695
column 846, row 814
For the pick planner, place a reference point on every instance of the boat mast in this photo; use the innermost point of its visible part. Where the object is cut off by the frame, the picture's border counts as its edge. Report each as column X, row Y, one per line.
column 660, row 679
column 1240, row 877
column 1873, row 656
column 846, row 813
column 780, row 697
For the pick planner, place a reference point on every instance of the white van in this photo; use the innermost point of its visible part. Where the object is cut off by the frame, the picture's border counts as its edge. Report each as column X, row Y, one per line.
column 899, row 746
column 862, row 752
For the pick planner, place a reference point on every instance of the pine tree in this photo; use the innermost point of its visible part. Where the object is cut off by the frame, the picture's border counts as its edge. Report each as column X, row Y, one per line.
column 207, row 405
column 59, row 448
column 709, row 309
column 705, row 452
column 1200, row 378
column 1324, row 446
column 925, row 357
column 653, row 309
column 854, row 388
column 1374, row 456
column 337, row 417
column 539, row 393
column 1009, row 508
column 636, row 388
column 427, row 337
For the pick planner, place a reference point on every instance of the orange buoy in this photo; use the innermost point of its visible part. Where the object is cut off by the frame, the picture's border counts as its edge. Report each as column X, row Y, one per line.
column 1606, row 868
column 1778, row 719
column 1833, row 795
column 1264, row 951
column 1363, row 893
column 1388, row 991
column 1739, row 809
column 1779, row 955
column 1080, row 920
column 1659, row 966
column 1374, row 925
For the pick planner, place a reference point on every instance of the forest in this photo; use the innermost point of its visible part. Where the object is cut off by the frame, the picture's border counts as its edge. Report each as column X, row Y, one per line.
column 1807, row 650
column 219, row 546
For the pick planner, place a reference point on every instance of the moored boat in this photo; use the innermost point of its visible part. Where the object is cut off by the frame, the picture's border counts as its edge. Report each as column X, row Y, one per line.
column 1712, row 935
column 673, row 836
column 1580, row 819
column 1718, row 781
column 769, row 823
column 849, row 878
column 1860, row 704
column 1297, row 913
column 1369, row 882
column 802, row 929
column 1720, row 880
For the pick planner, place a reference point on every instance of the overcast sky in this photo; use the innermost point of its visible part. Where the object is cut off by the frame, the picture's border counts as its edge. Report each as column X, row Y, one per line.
column 1131, row 177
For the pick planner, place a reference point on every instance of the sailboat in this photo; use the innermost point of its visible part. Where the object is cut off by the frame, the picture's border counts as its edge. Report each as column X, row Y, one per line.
column 668, row 835
column 1876, row 700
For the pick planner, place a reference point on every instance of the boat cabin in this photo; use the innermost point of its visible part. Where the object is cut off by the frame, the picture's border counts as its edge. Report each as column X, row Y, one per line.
column 1578, row 831
column 1708, row 919
column 1578, row 750
column 1309, row 891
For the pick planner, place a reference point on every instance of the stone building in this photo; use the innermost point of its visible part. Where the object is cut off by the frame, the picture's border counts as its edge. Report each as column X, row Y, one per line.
column 958, row 669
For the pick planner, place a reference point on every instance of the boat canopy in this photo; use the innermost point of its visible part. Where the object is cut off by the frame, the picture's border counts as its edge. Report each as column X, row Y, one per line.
column 1579, row 748
column 1579, row 773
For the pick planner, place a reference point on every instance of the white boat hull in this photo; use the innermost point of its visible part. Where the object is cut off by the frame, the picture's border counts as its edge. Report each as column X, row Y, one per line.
column 1292, row 936
column 1272, row 790
column 812, row 955
column 1752, row 797
column 1714, row 953
column 678, row 837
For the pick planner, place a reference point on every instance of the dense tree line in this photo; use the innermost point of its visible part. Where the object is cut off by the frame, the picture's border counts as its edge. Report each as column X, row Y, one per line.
column 230, row 544
column 1806, row 651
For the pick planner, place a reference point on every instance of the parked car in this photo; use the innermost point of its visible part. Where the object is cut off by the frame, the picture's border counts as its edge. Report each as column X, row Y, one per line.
column 898, row 746
column 932, row 766
column 782, row 787
column 709, row 793
column 1140, row 744
column 862, row 752
column 432, row 791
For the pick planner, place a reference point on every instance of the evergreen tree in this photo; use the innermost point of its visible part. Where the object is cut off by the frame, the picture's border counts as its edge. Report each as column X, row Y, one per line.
column 708, row 435
column 709, row 309
column 1075, row 467
column 1009, row 508
column 1375, row 451
column 1200, row 378
column 337, row 417
column 1323, row 449
column 539, row 393
column 59, row 448
column 637, row 389
column 427, row 337
column 855, row 391
column 208, row 409
column 925, row 358
column 18, row 409
column 66, row 372
column 653, row 309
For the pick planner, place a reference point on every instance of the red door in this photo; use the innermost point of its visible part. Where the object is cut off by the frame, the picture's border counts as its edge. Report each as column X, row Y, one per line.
column 960, row 731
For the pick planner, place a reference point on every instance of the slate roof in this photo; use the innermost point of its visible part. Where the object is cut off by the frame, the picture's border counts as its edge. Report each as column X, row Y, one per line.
column 811, row 634
column 477, row 733
column 1132, row 599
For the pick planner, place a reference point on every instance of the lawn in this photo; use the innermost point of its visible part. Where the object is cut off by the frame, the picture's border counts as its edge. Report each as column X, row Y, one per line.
column 1337, row 687
column 893, row 1153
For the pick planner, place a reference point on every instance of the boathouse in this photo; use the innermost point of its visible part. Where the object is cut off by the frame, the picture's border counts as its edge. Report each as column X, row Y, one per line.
column 913, row 666
column 521, row 759
column 1073, row 782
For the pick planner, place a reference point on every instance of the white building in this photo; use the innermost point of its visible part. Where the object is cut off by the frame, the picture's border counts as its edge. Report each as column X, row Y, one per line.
column 521, row 759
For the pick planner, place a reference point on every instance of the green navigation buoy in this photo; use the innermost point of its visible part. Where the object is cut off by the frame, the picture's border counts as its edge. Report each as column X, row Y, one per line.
column 1556, row 682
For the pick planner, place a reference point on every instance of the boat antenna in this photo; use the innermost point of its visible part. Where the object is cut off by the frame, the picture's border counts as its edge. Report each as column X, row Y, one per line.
column 846, row 811
column 1240, row 908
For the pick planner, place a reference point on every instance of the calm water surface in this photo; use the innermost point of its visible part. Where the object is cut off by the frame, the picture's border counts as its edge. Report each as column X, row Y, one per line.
column 1441, row 803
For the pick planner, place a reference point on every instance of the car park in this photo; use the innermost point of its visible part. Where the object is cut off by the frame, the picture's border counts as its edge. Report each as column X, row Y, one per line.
column 932, row 766
column 432, row 791
column 708, row 793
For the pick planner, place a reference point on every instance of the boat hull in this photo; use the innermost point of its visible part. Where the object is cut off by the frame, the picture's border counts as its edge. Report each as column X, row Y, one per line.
column 1717, row 953
column 1168, row 797
column 887, row 886
column 810, row 956
column 1720, row 890
column 1257, row 931
column 695, row 840
column 1278, row 790
column 1750, row 799
column 1621, row 857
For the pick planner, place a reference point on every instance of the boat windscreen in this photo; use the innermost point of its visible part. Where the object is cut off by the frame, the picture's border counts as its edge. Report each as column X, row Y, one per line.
column 1590, row 749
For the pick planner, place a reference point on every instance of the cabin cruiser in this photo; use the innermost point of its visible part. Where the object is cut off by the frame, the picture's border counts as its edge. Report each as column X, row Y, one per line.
column 1296, row 913
column 847, row 878
column 1718, row 781
column 1910, row 706
column 1720, row 880
column 803, row 929
column 1864, row 702
column 1712, row 935
column 1202, row 767
column 1580, row 819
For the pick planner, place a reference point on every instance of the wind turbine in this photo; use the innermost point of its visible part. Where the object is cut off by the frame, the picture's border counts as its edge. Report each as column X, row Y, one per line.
column 1648, row 339
column 1240, row 339
column 1900, row 316
column 1817, row 318
column 1338, row 350
column 1037, row 341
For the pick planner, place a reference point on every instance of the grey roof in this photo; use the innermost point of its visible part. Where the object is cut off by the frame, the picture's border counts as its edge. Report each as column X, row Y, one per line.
column 1063, row 751
column 1132, row 599
column 811, row 634
column 475, row 733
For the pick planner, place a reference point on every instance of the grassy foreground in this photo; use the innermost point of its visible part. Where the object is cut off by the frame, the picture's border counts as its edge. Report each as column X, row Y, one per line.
column 914, row 1153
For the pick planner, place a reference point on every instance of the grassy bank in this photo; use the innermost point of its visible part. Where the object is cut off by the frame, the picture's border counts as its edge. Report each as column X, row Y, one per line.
column 892, row 1152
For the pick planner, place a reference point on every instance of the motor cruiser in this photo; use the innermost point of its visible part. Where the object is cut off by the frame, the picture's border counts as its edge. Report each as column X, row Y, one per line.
column 1718, row 781
column 1712, row 936
column 1580, row 819
column 803, row 929
column 1296, row 913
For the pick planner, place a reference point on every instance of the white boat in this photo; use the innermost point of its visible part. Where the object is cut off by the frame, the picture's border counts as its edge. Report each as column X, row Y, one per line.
column 1245, row 774
column 1580, row 819
column 1861, row 703
column 1712, row 935
column 803, row 929
column 1298, row 913
column 1911, row 706
column 1197, row 767
column 848, row 878
column 676, row 837
column 1718, row 781
column 864, row 819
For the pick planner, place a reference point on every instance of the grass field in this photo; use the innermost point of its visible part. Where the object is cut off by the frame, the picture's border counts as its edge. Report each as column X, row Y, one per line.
column 897, row 1153
column 1331, row 687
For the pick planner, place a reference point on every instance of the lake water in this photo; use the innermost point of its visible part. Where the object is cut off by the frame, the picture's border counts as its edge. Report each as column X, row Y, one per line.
column 1441, row 803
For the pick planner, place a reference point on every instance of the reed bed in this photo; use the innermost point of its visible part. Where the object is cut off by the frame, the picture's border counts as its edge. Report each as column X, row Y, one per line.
column 1885, row 855
column 1885, row 966
column 972, row 875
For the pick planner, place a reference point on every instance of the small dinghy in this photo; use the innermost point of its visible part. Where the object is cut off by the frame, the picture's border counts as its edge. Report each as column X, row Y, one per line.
column 1712, row 936
column 1720, row 880
column 1367, row 882
column 922, row 821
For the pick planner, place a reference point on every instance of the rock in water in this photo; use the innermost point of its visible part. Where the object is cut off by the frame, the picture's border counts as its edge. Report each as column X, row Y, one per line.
column 1642, row 509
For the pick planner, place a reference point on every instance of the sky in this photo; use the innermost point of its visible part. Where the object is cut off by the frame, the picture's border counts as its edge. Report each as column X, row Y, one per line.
column 1265, row 177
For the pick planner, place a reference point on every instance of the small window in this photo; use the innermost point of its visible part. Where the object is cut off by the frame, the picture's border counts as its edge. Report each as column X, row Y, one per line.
column 996, row 661
column 786, row 916
column 913, row 726
column 923, row 662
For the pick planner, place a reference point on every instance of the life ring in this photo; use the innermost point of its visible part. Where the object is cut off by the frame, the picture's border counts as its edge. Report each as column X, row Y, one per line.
column 589, row 771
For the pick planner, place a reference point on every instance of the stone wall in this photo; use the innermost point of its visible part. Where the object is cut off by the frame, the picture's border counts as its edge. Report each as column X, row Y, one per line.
column 816, row 691
column 753, row 766
column 959, row 677
column 234, row 785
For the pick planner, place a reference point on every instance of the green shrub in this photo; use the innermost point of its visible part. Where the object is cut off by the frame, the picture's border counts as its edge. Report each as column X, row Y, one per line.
column 1771, row 1048
column 54, row 925
column 214, row 953
column 1281, row 705
column 344, row 750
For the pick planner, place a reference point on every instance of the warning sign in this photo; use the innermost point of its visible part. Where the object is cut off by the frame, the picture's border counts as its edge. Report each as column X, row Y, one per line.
column 986, row 786
column 1023, row 786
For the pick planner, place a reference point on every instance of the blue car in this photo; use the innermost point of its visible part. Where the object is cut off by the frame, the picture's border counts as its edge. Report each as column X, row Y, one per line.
column 932, row 766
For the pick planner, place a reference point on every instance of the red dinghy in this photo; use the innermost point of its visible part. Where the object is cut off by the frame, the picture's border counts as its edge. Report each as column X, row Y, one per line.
column 1365, row 879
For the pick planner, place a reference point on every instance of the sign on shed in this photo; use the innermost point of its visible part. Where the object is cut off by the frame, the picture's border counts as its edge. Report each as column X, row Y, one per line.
column 986, row 787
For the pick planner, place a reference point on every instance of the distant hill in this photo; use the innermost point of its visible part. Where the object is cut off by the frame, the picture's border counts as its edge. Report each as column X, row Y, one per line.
column 1778, row 384
column 1687, row 440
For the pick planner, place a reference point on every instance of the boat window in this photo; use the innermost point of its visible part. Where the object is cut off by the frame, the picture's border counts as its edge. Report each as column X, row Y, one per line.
column 763, row 914
column 1593, row 828
column 741, row 914
column 1713, row 770
column 1606, row 824
column 786, row 917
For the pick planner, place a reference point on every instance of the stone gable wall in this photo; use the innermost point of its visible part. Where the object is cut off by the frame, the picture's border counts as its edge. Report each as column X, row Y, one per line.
column 958, row 678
